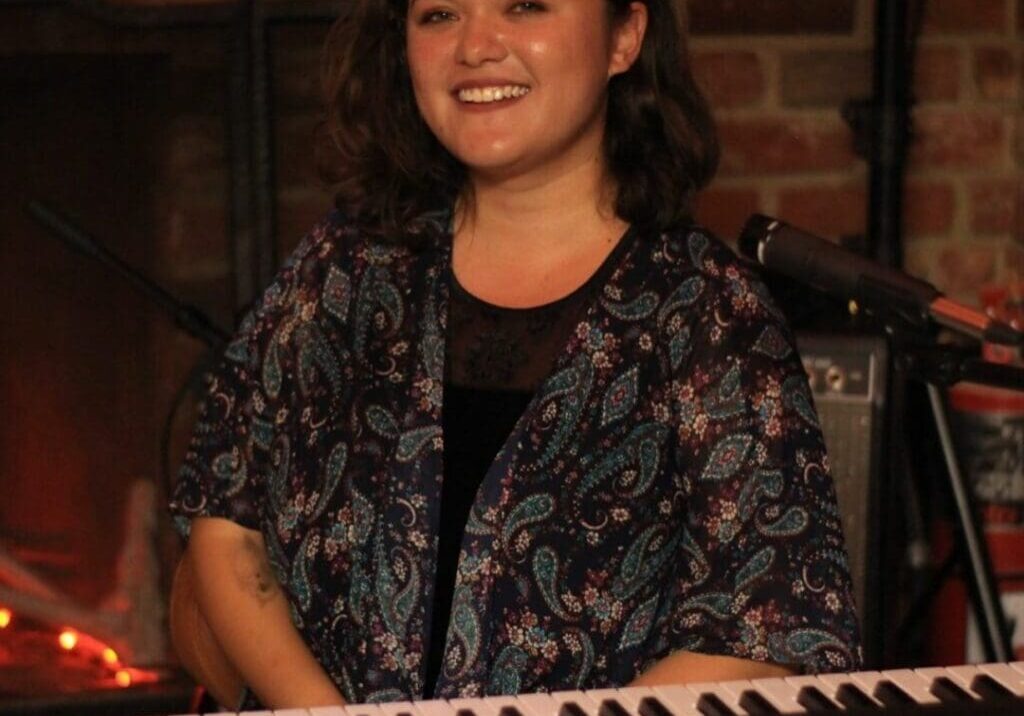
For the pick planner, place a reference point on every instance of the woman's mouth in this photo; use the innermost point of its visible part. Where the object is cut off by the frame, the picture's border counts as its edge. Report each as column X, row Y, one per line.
column 486, row 95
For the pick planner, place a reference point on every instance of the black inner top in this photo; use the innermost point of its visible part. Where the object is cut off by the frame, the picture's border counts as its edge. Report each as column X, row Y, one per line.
column 496, row 359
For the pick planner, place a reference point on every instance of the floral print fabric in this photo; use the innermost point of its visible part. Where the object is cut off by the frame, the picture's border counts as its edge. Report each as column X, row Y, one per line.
column 666, row 488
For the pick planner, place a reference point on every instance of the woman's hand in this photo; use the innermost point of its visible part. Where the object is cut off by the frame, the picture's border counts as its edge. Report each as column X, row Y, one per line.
column 231, row 625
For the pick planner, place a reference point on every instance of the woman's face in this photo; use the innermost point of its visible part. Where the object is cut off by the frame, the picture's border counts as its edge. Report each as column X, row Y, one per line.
column 511, row 87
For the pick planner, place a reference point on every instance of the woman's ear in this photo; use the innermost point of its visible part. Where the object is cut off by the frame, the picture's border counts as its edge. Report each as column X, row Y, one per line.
column 627, row 38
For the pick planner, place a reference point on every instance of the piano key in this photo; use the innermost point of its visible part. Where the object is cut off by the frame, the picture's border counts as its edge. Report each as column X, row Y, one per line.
column 291, row 712
column 1017, row 666
column 653, row 706
column 363, row 710
column 781, row 693
column 912, row 684
column 962, row 675
column 394, row 708
column 710, row 704
column 572, row 708
column 891, row 695
column 613, row 707
column 1005, row 675
column 853, row 690
column 723, row 691
column 949, row 691
column 813, row 682
column 579, row 698
column 679, row 699
column 326, row 711
column 539, row 704
column 472, row 707
column 433, row 707
column 990, row 689
column 756, row 704
column 631, row 696
column 814, row 701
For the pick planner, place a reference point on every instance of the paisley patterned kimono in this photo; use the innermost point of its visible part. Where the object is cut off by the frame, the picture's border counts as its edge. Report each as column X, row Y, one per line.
column 667, row 487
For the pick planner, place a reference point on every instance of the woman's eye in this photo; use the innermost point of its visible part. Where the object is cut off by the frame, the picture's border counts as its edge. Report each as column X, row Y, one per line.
column 527, row 7
column 433, row 17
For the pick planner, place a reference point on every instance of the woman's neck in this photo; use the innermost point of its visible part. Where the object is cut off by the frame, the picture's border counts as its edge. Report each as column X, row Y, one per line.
column 531, row 240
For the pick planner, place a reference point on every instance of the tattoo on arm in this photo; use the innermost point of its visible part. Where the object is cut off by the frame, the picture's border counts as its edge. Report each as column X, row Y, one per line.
column 254, row 573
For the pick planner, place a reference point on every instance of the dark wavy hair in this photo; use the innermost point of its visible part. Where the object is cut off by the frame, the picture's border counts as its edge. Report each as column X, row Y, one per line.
column 389, row 170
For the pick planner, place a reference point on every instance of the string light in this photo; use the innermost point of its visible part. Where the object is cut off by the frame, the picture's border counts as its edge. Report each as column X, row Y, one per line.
column 110, row 656
column 5, row 618
column 68, row 639
column 123, row 678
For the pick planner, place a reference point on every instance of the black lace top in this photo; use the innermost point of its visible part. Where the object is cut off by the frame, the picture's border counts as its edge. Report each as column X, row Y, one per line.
column 497, row 357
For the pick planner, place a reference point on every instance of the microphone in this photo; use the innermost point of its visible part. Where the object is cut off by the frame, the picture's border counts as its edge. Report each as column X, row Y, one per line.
column 830, row 269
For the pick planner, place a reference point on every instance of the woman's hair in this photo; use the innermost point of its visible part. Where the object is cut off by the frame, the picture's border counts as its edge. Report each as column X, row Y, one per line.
column 389, row 169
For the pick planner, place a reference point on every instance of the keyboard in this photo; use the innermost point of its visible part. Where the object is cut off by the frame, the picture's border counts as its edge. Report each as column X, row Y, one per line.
column 996, row 689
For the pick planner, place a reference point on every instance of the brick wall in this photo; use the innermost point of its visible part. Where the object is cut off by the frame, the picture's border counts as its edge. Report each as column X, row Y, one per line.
column 778, row 73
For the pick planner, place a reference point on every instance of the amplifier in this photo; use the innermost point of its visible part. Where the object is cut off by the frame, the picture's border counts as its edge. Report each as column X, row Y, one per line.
column 847, row 374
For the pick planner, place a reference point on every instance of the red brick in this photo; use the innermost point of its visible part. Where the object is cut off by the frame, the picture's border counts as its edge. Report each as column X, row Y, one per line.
column 730, row 79
column 996, row 73
column 825, row 210
column 785, row 145
column 961, row 269
column 771, row 17
column 724, row 210
column 996, row 205
column 824, row 78
column 957, row 139
column 957, row 17
column 937, row 74
column 919, row 259
column 929, row 208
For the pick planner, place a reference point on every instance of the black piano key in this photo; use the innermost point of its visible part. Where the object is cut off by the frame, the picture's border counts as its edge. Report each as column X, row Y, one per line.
column 465, row 712
column 611, row 707
column 948, row 691
column 571, row 708
column 814, row 701
column 506, row 711
column 651, row 706
column 890, row 694
column 853, row 697
column 710, row 705
column 989, row 689
column 404, row 713
column 757, row 705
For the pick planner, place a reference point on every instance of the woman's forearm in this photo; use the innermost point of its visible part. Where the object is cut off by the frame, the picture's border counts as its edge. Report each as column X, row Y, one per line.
column 238, row 596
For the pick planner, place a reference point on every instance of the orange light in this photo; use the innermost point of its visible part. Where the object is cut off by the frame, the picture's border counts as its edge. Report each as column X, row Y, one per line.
column 68, row 639
column 5, row 618
column 123, row 678
column 110, row 656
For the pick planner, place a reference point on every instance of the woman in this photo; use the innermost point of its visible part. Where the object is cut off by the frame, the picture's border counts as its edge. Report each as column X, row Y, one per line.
column 631, row 487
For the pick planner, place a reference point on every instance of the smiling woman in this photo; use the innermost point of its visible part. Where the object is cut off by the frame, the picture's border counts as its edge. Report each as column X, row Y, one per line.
column 508, row 421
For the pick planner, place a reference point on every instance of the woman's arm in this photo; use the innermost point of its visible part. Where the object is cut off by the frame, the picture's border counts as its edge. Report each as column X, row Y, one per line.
column 243, row 631
column 685, row 667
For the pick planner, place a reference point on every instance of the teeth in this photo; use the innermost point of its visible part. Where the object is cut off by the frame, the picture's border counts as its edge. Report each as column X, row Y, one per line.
column 481, row 95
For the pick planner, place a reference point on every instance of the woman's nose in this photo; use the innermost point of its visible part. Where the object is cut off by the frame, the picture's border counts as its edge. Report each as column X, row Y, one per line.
column 480, row 42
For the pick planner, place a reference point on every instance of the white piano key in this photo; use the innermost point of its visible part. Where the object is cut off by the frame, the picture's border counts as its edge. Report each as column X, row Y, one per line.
column 828, row 689
column 961, row 676
column 433, row 707
column 500, row 702
column 912, row 684
column 580, row 698
column 539, row 704
column 835, row 681
column 396, row 708
column 1017, row 666
column 363, row 710
column 633, row 695
column 719, row 689
column 1005, row 675
column 780, row 693
column 480, row 707
column 679, row 699
column 327, row 711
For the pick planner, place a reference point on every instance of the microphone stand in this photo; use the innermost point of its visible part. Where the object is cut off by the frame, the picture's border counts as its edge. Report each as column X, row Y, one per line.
column 938, row 367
